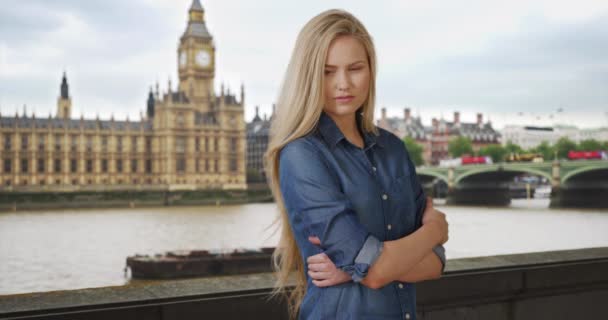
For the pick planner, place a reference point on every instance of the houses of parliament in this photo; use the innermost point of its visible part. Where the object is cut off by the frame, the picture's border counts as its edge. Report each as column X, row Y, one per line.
column 190, row 137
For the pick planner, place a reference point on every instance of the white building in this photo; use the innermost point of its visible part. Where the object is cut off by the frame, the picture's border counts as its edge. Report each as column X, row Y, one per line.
column 600, row 134
column 529, row 136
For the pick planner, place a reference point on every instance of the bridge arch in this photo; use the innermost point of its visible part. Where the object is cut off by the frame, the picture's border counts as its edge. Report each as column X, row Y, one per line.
column 422, row 172
column 497, row 168
column 578, row 171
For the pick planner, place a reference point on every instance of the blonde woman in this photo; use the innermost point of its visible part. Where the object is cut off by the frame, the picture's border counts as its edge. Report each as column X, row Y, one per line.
column 357, row 231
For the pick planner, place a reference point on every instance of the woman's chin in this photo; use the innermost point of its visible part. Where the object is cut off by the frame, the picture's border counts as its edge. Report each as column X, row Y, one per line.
column 342, row 110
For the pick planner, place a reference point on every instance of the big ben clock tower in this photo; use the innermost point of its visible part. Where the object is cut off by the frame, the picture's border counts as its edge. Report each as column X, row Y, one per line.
column 200, row 137
column 196, row 58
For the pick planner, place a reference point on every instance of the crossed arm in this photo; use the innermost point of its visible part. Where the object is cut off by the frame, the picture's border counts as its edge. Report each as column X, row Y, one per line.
column 325, row 273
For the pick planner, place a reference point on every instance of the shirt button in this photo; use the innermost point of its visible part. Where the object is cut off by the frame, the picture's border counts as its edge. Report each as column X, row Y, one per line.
column 407, row 315
column 374, row 168
column 400, row 286
column 384, row 197
column 389, row 227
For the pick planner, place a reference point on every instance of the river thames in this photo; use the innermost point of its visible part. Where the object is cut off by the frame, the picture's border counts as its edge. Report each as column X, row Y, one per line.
column 73, row 249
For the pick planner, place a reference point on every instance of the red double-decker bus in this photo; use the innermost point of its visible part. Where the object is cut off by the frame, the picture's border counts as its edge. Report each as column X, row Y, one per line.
column 587, row 155
column 476, row 160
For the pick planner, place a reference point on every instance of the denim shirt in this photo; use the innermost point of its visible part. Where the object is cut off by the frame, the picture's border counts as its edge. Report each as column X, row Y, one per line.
column 353, row 199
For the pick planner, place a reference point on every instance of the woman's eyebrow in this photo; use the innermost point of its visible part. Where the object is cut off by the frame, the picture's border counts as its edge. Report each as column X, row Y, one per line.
column 332, row 66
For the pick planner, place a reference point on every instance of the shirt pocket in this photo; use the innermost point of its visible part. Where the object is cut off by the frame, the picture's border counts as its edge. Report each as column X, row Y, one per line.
column 403, row 204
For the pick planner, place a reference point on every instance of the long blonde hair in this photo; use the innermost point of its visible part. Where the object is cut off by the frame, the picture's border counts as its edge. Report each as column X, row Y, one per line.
column 298, row 109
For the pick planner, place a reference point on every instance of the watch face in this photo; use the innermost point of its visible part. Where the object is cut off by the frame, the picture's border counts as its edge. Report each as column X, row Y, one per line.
column 203, row 58
column 182, row 59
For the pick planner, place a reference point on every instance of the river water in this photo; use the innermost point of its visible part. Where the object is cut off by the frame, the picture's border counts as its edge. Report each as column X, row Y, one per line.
column 73, row 249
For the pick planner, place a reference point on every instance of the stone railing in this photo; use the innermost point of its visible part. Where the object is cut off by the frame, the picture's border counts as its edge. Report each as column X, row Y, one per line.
column 571, row 284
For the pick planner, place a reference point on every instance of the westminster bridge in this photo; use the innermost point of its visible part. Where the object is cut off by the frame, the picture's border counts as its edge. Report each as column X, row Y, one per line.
column 574, row 183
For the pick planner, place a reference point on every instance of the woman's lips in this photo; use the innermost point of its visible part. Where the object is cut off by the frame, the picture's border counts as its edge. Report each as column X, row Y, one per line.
column 344, row 99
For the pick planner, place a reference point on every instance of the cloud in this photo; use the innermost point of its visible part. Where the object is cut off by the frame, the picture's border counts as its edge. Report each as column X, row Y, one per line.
column 434, row 56
column 549, row 66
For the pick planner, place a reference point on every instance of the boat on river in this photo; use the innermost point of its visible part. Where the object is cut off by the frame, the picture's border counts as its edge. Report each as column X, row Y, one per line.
column 199, row 263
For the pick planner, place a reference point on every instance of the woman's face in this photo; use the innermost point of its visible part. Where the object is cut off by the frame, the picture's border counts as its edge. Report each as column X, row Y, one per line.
column 347, row 77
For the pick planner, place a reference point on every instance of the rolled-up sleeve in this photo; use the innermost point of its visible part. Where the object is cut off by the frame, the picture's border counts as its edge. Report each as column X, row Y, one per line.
column 316, row 206
column 439, row 250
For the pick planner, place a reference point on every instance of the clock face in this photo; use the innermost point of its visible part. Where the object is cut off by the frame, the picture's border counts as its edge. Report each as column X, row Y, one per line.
column 182, row 59
column 203, row 58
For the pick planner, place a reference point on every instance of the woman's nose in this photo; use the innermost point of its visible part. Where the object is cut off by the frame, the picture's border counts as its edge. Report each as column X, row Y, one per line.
column 342, row 81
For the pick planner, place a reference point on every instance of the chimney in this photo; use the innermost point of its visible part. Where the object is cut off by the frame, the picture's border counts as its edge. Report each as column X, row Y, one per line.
column 479, row 118
column 456, row 117
column 407, row 114
column 383, row 113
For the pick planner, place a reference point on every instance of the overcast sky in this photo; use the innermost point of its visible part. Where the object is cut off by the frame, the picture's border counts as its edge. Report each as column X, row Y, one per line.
column 517, row 62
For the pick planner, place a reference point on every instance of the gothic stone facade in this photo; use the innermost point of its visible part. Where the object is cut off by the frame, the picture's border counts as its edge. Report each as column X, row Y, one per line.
column 189, row 139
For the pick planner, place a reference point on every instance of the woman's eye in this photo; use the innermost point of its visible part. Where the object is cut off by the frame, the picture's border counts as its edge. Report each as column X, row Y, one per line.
column 329, row 71
column 355, row 69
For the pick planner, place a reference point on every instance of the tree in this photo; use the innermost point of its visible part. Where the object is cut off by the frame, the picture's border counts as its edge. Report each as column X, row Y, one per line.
column 605, row 146
column 459, row 146
column 563, row 145
column 545, row 149
column 495, row 151
column 511, row 147
column 415, row 150
column 589, row 145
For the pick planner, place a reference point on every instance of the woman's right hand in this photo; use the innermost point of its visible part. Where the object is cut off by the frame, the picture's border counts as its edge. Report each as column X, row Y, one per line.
column 435, row 218
column 322, row 270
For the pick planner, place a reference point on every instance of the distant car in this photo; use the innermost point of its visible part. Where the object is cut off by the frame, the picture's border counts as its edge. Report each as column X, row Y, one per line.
column 587, row 155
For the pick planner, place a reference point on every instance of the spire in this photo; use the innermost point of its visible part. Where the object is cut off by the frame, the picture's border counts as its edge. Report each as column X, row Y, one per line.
column 274, row 108
column 169, row 93
column 196, row 22
column 64, row 87
column 150, row 110
column 196, row 6
column 257, row 114
column 242, row 94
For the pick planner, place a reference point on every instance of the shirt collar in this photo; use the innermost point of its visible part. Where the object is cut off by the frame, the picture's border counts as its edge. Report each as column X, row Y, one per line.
column 332, row 134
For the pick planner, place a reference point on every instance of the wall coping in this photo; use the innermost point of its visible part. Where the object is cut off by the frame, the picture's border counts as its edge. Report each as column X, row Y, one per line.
column 143, row 292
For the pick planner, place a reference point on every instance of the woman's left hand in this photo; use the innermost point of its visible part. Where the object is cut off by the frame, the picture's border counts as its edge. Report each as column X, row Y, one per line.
column 323, row 271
